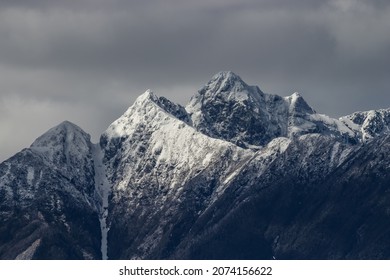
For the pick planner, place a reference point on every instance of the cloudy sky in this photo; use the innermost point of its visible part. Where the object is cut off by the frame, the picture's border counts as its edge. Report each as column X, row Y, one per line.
column 87, row 60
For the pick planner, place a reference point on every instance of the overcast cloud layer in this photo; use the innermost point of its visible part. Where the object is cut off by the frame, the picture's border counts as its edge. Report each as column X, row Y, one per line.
column 87, row 60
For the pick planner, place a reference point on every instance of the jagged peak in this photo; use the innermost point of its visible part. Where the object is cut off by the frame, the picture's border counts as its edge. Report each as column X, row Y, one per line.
column 148, row 98
column 148, row 95
column 298, row 104
column 141, row 102
column 147, row 108
column 65, row 141
column 296, row 95
column 368, row 113
column 227, row 75
column 369, row 124
column 65, row 128
column 224, row 81
column 227, row 86
column 67, row 125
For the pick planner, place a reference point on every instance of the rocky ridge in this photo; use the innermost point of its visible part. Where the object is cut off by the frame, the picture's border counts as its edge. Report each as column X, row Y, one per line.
column 231, row 175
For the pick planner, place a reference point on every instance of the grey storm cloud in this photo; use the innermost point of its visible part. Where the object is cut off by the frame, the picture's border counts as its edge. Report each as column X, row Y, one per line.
column 87, row 60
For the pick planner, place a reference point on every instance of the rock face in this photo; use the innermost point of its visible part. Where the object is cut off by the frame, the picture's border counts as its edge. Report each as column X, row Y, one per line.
column 236, row 174
column 229, row 109
column 161, row 170
column 370, row 124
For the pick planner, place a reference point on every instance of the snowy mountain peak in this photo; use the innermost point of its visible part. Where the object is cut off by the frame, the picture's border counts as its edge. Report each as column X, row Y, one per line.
column 228, row 83
column 66, row 143
column 147, row 108
column 298, row 105
column 296, row 95
column 67, row 149
column 228, row 108
column 223, row 88
column 147, row 96
column 227, row 77
column 368, row 124
column 66, row 133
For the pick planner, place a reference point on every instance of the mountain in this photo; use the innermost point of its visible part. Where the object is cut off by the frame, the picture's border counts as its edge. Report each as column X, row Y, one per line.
column 235, row 174
column 47, row 199
column 161, row 170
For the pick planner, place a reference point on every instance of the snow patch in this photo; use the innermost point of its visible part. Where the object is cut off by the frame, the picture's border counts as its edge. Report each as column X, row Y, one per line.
column 335, row 150
column 207, row 159
column 350, row 124
column 30, row 175
column 229, row 178
column 29, row 252
column 337, row 124
column 280, row 143
column 62, row 218
column 292, row 99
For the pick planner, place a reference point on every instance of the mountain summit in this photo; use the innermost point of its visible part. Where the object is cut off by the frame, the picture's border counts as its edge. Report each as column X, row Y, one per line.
column 224, row 82
column 236, row 174
column 227, row 108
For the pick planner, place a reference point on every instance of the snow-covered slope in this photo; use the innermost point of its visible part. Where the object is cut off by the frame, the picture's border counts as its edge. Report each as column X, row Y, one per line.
column 148, row 134
column 369, row 124
column 152, row 157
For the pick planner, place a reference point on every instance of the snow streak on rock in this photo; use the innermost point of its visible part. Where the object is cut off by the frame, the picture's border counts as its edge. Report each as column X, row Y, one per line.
column 29, row 252
column 102, row 191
